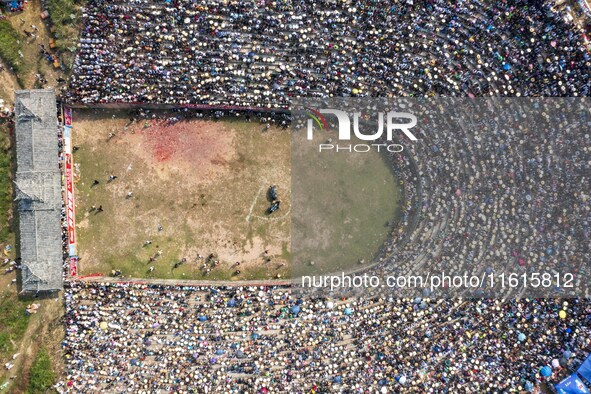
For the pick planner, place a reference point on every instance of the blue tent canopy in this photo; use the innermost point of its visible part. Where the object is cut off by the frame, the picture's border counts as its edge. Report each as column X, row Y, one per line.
column 572, row 385
column 585, row 369
column 546, row 371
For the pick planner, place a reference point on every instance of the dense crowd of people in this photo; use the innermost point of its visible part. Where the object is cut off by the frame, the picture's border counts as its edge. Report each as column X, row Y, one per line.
column 483, row 189
column 260, row 54
column 148, row 338
column 496, row 186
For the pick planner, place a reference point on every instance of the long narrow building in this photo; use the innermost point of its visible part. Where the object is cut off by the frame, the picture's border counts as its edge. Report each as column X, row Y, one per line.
column 38, row 191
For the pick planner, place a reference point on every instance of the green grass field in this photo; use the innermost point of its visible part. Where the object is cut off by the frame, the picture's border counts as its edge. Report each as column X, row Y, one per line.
column 13, row 324
column 6, row 235
column 345, row 206
column 65, row 16
column 10, row 45
column 42, row 376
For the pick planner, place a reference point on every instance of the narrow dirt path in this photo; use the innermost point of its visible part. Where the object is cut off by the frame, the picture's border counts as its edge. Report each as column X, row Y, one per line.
column 45, row 330
column 8, row 83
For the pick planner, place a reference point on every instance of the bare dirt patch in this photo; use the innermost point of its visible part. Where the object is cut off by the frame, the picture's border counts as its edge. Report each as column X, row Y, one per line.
column 196, row 151
column 198, row 188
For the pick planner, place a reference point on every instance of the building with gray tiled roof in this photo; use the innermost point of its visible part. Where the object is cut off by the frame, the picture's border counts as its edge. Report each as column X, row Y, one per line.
column 38, row 190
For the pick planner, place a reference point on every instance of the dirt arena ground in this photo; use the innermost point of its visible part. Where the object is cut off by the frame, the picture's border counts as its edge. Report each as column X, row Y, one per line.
column 198, row 188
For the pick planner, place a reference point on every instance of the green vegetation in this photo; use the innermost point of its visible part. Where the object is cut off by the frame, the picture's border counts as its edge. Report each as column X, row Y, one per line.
column 10, row 45
column 5, row 186
column 14, row 322
column 64, row 16
column 42, row 376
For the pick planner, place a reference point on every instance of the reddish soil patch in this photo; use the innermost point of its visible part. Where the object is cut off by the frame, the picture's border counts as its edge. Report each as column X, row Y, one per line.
column 195, row 151
column 194, row 142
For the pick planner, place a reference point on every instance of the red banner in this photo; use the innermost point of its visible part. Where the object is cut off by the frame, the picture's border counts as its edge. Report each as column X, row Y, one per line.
column 70, row 206
column 70, row 212
column 68, row 116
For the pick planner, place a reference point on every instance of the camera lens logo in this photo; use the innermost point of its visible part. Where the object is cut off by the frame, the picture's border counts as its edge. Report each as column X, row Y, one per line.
column 316, row 117
column 394, row 121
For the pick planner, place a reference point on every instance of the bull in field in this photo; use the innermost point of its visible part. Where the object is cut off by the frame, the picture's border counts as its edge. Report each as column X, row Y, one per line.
column 273, row 207
column 272, row 194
